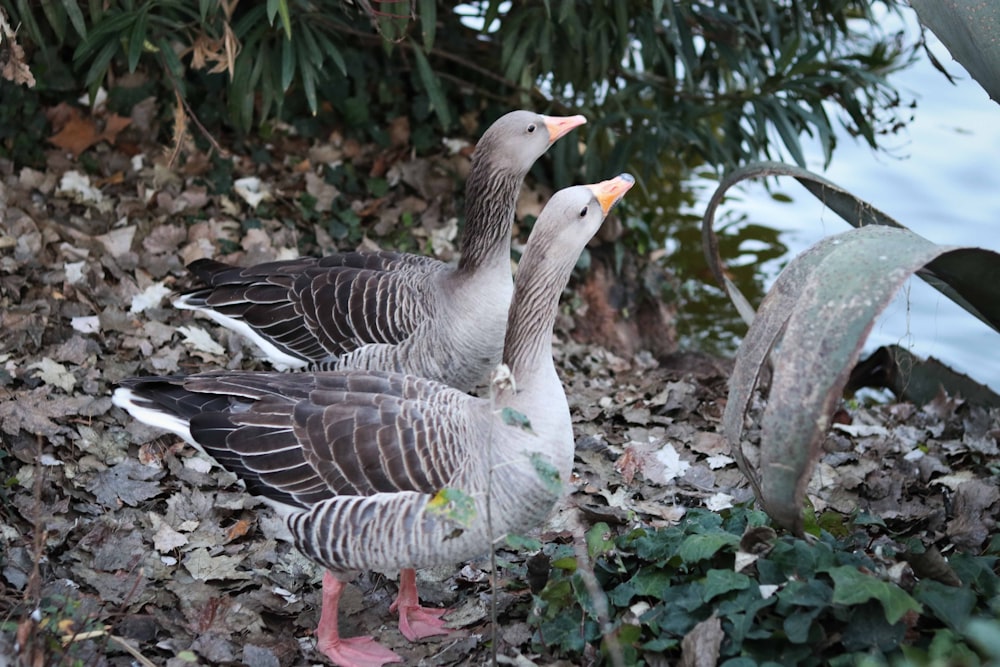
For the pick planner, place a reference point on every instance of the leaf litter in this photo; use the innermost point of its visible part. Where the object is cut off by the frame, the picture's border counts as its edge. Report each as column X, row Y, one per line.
column 144, row 537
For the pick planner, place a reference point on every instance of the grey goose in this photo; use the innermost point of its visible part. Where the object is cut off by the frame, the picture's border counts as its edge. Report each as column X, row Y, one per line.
column 368, row 467
column 387, row 310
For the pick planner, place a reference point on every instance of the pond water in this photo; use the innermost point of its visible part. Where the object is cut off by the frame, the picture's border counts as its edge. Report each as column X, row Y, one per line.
column 940, row 179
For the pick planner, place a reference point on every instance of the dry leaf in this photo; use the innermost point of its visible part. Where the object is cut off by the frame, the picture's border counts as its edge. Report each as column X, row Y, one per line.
column 237, row 530
column 79, row 133
column 13, row 64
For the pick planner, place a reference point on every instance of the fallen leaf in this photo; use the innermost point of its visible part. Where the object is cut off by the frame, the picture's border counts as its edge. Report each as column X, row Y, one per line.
column 78, row 187
column 702, row 645
column 168, row 539
column 200, row 340
column 237, row 530
column 149, row 297
column 15, row 65
column 204, row 567
column 54, row 373
column 251, row 190
column 129, row 482
column 118, row 241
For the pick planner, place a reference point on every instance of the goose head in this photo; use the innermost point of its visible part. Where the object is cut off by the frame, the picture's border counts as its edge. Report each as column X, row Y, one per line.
column 515, row 140
column 573, row 215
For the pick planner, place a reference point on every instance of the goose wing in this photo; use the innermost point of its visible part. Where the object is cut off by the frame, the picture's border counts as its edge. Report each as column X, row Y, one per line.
column 316, row 309
column 299, row 439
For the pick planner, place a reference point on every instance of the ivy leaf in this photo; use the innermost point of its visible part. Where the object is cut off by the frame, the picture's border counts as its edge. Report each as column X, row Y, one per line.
column 523, row 543
column 951, row 604
column 547, row 473
column 718, row 582
column 701, row 547
column 512, row 417
column 852, row 587
column 453, row 505
column 598, row 540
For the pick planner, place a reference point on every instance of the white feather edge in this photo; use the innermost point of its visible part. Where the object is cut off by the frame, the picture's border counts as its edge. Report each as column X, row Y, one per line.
column 281, row 361
column 126, row 399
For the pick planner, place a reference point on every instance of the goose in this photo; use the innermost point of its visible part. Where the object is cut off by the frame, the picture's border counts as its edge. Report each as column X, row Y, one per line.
column 394, row 311
column 377, row 470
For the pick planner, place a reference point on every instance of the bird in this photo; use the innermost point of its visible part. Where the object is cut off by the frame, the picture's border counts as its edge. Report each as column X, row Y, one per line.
column 393, row 311
column 379, row 470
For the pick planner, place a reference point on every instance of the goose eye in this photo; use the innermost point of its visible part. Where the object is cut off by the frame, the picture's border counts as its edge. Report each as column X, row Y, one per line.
column 531, row 128
column 583, row 212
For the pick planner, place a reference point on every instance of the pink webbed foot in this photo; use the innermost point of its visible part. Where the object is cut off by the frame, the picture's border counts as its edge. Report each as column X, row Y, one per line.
column 416, row 622
column 357, row 652
column 350, row 651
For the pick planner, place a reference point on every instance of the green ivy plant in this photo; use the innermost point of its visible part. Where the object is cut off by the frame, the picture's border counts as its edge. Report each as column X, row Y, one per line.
column 829, row 600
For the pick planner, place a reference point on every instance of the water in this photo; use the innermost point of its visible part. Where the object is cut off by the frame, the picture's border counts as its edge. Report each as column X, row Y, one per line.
column 940, row 179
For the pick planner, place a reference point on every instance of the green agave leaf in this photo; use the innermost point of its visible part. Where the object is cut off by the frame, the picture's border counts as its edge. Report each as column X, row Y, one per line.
column 971, row 31
column 820, row 310
column 969, row 277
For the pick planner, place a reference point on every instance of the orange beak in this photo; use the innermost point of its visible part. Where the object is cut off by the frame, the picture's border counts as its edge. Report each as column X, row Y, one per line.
column 560, row 125
column 609, row 192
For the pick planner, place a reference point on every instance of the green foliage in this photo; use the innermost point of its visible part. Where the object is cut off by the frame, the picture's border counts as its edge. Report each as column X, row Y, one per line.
column 664, row 83
column 801, row 602
column 454, row 505
column 513, row 417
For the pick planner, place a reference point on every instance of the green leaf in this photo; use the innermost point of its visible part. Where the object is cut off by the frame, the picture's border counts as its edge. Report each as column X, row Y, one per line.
column 821, row 309
column 432, row 86
column 548, row 473
column 719, row 582
column 523, row 543
column 696, row 548
column 599, row 540
column 798, row 625
column 853, row 587
column 659, row 546
column 56, row 18
column 108, row 31
column 72, row 8
column 512, row 417
column 567, row 563
column 287, row 65
column 99, row 66
column 952, row 605
column 171, row 62
column 971, row 31
column 428, row 21
column 454, row 505
column 137, row 39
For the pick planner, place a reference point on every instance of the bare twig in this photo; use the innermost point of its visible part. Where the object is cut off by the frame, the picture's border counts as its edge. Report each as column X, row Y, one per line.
column 600, row 601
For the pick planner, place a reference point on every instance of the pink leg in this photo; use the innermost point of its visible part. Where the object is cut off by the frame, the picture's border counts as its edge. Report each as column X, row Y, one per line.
column 416, row 622
column 351, row 651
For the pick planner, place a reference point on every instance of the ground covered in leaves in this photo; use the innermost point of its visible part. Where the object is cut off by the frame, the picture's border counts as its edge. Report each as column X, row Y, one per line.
column 121, row 547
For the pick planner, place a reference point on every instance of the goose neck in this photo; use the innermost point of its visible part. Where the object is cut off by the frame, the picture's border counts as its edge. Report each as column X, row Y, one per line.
column 491, row 196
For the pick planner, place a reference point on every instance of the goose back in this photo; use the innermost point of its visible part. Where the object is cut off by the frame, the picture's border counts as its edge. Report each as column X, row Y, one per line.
column 394, row 311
